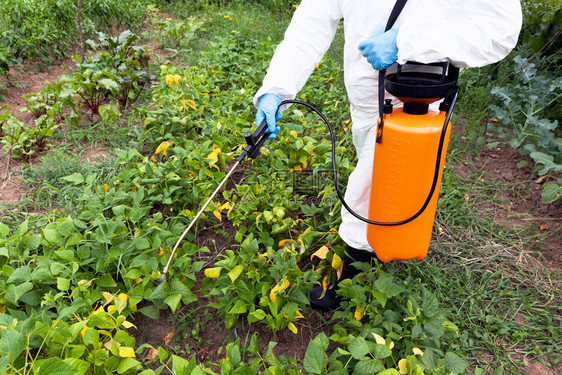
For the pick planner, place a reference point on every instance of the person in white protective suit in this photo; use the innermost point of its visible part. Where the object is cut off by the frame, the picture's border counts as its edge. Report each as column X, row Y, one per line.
column 467, row 33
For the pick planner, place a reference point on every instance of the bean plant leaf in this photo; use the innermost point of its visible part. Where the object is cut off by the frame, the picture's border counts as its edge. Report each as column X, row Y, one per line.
column 428, row 358
column 315, row 359
column 56, row 366
column 358, row 347
column 454, row 363
column 75, row 178
column 368, row 367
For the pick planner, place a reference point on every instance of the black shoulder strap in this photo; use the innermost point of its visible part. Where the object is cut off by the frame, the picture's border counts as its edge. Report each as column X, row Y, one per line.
column 391, row 20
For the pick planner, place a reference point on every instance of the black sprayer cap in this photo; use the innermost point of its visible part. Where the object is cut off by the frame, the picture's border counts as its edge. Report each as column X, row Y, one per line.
column 420, row 87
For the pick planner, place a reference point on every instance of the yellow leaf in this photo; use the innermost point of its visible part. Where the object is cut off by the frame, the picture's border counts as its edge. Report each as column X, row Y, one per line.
column 340, row 270
column 293, row 328
column 226, row 205
column 391, row 345
column 379, row 339
column 108, row 297
column 213, row 273
column 264, row 255
column 417, row 351
column 282, row 285
column 541, row 179
column 98, row 310
column 125, row 351
column 236, row 271
column 161, row 252
column 110, row 308
column 138, row 280
column 402, row 366
column 127, row 324
column 325, row 284
column 299, row 314
column 217, row 214
column 105, row 187
column 320, row 253
column 123, row 297
column 283, row 242
column 163, row 147
column 336, row 261
column 214, row 156
column 294, row 133
column 359, row 311
column 83, row 331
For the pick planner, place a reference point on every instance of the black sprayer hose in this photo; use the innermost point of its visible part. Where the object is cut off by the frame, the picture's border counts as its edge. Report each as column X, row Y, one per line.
column 335, row 172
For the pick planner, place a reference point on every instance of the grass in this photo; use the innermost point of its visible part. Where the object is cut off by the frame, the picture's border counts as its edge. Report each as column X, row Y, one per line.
column 49, row 188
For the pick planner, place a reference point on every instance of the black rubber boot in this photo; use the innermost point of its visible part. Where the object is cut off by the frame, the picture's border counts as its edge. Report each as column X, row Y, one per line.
column 331, row 299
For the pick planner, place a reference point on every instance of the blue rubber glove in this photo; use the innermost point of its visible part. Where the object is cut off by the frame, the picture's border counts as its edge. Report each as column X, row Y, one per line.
column 380, row 49
column 267, row 109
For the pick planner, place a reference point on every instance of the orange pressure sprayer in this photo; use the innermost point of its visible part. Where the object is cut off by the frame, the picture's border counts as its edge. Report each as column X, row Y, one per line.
column 408, row 162
column 409, row 156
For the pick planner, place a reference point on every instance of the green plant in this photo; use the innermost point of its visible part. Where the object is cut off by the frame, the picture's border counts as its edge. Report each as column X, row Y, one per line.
column 45, row 30
column 177, row 34
column 115, row 70
column 25, row 141
column 268, row 288
column 522, row 106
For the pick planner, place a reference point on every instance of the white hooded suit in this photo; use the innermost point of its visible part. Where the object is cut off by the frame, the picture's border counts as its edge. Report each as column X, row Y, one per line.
column 466, row 33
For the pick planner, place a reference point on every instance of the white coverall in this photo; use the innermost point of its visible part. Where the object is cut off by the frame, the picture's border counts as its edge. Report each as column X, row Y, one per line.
column 467, row 33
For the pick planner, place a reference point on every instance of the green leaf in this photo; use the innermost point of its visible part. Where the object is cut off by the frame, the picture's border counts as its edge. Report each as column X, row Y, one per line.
column 256, row 316
column 368, row 367
column 12, row 343
column 180, row 365
column 455, row 363
column 4, row 230
column 428, row 358
column 79, row 365
column 63, row 284
column 19, row 276
column 238, row 308
column 551, row 192
column 109, row 84
column 173, row 301
column 315, row 359
column 56, row 366
column 127, row 364
column 358, row 347
column 75, row 178
column 381, row 351
column 151, row 311
column 390, row 371
column 65, row 255
column 33, row 242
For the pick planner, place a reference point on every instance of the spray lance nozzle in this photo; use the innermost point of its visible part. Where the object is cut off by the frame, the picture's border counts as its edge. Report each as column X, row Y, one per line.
column 255, row 140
